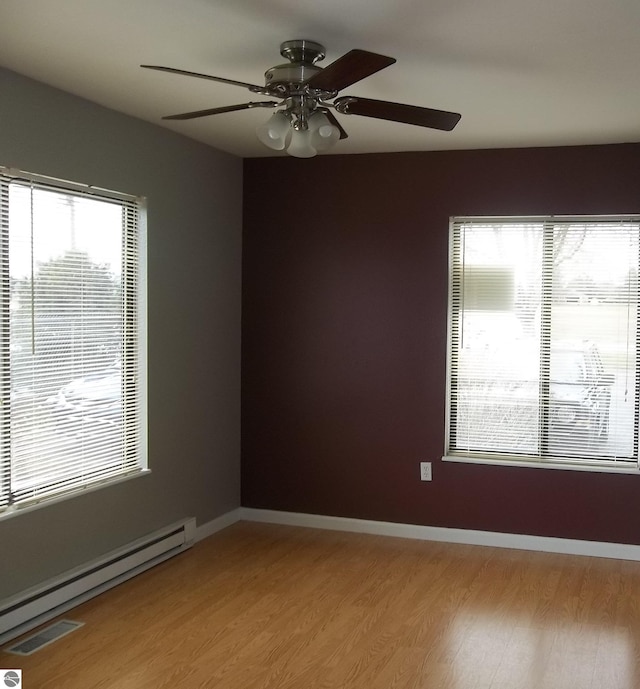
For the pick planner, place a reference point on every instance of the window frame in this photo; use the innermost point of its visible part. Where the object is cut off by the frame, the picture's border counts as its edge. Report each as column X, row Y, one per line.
column 134, row 335
column 630, row 466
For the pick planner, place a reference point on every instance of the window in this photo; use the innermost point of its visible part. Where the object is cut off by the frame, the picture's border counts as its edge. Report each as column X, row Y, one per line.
column 72, row 382
column 543, row 341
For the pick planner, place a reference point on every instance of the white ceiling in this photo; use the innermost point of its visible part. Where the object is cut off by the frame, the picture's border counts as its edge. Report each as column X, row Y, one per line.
column 521, row 72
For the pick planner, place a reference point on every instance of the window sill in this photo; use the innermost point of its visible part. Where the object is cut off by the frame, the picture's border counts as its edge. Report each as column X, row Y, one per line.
column 17, row 510
column 510, row 461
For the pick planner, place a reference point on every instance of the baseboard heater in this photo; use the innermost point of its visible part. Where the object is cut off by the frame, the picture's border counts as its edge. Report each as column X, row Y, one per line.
column 42, row 603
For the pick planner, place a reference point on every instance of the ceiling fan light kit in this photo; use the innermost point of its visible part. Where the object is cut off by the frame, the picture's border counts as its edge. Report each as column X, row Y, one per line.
column 280, row 132
column 305, row 93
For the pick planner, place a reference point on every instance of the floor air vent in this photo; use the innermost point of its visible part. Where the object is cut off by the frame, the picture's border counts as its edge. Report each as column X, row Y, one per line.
column 44, row 637
column 51, row 599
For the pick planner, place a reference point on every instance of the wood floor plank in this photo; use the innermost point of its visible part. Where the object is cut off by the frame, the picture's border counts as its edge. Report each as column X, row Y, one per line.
column 261, row 606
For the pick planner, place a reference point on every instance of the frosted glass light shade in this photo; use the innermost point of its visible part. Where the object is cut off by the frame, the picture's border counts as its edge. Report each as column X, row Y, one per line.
column 301, row 146
column 274, row 133
column 323, row 133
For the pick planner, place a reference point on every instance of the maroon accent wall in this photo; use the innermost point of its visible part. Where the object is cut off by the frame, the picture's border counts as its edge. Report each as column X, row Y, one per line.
column 344, row 337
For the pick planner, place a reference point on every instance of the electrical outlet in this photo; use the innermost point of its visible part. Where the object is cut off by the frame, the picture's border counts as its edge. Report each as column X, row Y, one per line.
column 425, row 471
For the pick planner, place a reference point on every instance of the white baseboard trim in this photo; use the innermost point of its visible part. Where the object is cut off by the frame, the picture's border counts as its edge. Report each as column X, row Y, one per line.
column 39, row 604
column 215, row 525
column 567, row 546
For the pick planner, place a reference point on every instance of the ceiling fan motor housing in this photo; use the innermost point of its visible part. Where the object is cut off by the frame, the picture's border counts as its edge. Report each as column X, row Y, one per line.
column 302, row 55
column 290, row 73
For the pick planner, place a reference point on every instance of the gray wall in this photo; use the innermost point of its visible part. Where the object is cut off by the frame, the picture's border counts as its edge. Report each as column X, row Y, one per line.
column 194, row 283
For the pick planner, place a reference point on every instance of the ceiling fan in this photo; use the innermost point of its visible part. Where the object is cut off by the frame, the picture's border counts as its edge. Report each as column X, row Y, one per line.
column 305, row 94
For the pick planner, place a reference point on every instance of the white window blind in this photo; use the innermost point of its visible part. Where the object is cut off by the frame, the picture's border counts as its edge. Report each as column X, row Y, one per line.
column 71, row 364
column 543, row 341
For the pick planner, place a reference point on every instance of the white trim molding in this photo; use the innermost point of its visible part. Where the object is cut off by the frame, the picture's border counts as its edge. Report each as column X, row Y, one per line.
column 222, row 522
column 567, row 546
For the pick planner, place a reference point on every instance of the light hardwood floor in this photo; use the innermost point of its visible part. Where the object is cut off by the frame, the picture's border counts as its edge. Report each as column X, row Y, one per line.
column 273, row 607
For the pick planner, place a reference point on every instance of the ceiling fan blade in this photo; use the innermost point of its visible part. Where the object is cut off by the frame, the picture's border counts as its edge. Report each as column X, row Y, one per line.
column 397, row 112
column 332, row 118
column 233, row 82
column 346, row 70
column 218, row 111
